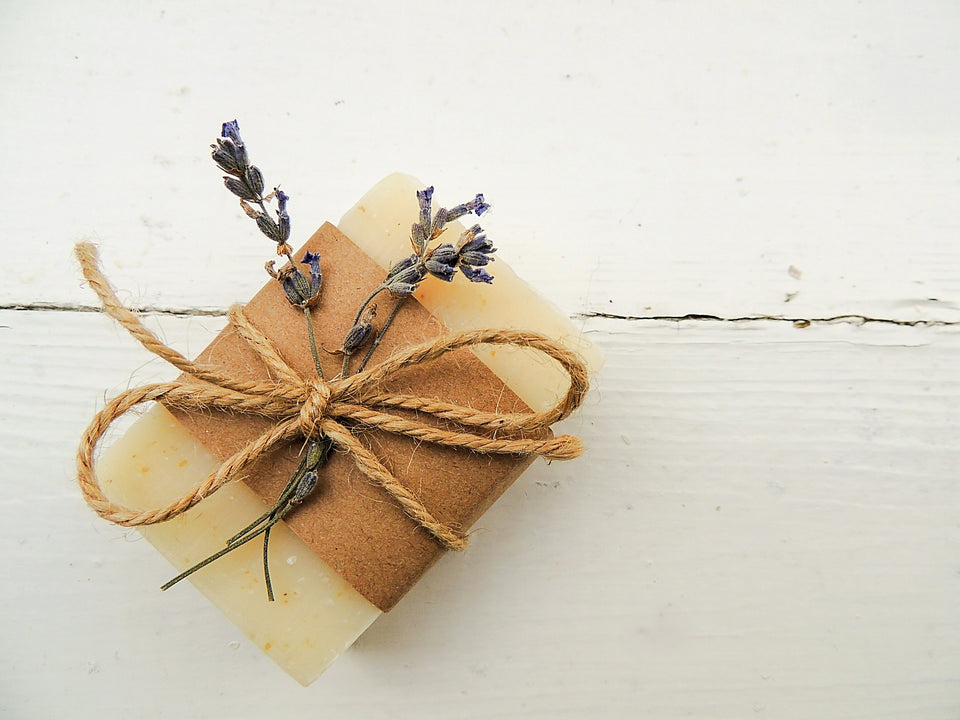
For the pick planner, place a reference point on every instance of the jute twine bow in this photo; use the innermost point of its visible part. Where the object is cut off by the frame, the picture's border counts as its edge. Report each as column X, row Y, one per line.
column 308, row 408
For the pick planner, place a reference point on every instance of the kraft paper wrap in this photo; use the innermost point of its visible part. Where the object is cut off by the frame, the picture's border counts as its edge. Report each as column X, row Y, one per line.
column 354, row 526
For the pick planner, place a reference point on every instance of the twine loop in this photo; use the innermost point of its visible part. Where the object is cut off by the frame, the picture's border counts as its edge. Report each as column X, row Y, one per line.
column 309, row 408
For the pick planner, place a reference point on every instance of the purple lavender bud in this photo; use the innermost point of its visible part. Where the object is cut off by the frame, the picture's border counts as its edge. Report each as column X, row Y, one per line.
column 231, row 130
column 445, row 253
column 457, row 211
column 443, row 272
column 225, row 156
column 412, row 274
column 480, row 244
column 401, row 288
column 240, row 156
column 269, row 228
column 239, row 188
column 316, row 279
column 357, row 337
column 439, row 222
column 300, row 290
column 442, row 262
column 472, row 257
column 424, row 197
column 474, row 240
column 418, row 237
column 284, row 228
column 254, row 178
column 476, row 274
column 478, row 205
column 405, row 270
column 282, row 217
column 307, row 485
column 295, row 285
column 404, row 277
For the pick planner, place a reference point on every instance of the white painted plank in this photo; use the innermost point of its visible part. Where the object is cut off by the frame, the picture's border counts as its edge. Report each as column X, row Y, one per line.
column 645, row 158
column 764, row 525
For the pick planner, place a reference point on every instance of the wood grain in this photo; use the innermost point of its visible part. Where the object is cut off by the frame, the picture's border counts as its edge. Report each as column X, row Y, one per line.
column 766, row 519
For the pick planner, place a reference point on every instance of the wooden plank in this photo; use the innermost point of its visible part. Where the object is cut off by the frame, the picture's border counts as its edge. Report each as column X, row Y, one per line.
column 765, row 522
column 684, row 162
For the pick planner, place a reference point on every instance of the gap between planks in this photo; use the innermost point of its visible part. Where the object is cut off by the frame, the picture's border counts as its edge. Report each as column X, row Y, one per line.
column 853, row 319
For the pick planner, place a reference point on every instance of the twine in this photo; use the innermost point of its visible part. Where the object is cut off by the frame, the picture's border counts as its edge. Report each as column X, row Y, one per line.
column 309, row 408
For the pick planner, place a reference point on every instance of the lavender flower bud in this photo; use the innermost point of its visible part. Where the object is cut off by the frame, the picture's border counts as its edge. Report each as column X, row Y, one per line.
column 295, row 285
column 405, row 283
column 268, row 227
column 404, row 277
column 418, row 237
column 307, row 485
column 284, row 228
column 316, row 279
column 231, row 130
column 477, row 205
column 424, row 197
column 475, row 251
column 439, row 223
column 282, row 216
column 360, row 333
column 478, row 250
column 300, row 290
column 227, row 157
column 407, row 270
column 239, row 188
column 442, row 262
column 474, row 258
column 229, row 152
column 357, row 337
column 474, row 239
column 254, row 179
column 476, row 274
column 402, row 288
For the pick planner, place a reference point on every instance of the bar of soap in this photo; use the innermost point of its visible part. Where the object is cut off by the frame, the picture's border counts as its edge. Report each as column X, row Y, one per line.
column 317, row 614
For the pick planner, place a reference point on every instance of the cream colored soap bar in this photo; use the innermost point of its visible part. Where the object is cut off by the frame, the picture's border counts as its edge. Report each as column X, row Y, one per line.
column 317, row 615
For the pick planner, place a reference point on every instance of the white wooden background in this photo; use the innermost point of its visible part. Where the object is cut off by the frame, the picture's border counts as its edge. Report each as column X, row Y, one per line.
column 752, row 208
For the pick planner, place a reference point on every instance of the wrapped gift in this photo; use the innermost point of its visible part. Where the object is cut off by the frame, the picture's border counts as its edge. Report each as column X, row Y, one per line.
column 439, row 429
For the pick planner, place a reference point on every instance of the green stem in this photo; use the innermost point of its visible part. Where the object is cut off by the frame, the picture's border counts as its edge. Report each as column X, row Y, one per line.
column 271, row 517
column 269, row 514
column 266, row 561
column 366, row 302
column 313, row 342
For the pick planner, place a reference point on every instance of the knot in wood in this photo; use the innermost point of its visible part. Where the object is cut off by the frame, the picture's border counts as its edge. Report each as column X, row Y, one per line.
column 314, row 408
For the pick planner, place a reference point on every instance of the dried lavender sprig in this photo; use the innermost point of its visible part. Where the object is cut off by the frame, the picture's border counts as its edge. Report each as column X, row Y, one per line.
column 246, row 182
column 303, row 481
column 472, row 250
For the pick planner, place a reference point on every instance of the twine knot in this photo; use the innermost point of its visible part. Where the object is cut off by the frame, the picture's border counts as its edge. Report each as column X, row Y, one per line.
column 314, row 407
column 311, row 408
